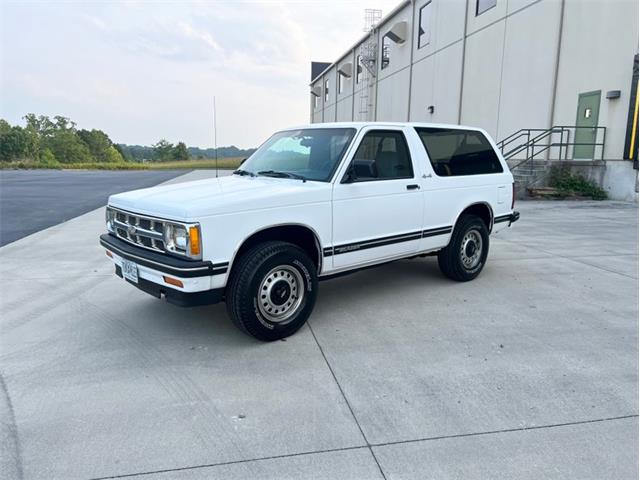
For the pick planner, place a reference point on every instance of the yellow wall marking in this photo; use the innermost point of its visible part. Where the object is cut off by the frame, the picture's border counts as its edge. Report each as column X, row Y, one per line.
column 632, row 144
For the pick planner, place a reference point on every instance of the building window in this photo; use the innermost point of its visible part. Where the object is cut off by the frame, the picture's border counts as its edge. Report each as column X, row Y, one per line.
column 316, row 102
column 326, row 91
column 386, row 45
column 359, row 69
column 424, row 28
column 340, row 83
column 484, row 5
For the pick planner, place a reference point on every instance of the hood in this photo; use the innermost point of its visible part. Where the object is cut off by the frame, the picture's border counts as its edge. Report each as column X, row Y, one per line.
column 190, row 201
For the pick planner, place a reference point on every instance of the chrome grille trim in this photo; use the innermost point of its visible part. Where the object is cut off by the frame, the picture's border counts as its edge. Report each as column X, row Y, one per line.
column 128, row 228
column 140, row 232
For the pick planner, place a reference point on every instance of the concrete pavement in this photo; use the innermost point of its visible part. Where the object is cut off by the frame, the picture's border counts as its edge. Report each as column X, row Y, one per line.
column 530, row 371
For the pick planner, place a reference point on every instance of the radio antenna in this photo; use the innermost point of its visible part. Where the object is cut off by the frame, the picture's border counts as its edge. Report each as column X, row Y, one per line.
column 215, row 135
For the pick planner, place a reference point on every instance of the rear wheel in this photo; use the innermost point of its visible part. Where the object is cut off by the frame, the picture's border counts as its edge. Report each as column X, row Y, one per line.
column 272, row 290
column 464, row 258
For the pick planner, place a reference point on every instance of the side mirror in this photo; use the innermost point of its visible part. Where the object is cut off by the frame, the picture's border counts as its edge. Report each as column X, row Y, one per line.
column 362, row 170
column 350, row 175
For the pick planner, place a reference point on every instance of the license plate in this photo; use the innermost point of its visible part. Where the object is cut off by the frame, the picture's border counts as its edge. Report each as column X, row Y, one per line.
column 130, row 271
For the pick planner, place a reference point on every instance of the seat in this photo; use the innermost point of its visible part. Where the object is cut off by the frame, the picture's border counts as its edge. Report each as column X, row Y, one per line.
column 385, row 163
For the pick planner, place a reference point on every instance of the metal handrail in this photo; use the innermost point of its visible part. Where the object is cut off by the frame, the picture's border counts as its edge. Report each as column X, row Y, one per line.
column 520, row 133
column 532, row 144
column 535, row 141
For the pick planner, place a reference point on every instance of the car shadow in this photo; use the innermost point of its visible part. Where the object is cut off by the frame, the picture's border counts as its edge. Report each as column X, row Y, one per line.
column 212, row 323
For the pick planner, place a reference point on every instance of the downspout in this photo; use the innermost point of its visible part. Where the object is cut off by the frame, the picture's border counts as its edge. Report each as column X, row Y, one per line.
column 464, row 52
column 323, row 97
column 354, row 75
column 552, row 110
column 411, row 37
column 335, row 113
column 378, row 70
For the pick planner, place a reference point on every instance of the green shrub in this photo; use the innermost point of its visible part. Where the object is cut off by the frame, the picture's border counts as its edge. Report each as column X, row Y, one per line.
column 47, row 160
column 568, row 184
column 112, row 155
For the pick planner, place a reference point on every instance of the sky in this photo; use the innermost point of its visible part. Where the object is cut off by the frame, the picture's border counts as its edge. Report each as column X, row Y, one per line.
column 146, row 70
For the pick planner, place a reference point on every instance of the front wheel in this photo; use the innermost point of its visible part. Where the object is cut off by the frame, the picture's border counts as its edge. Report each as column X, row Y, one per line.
column 272, row 290
column 464, row 258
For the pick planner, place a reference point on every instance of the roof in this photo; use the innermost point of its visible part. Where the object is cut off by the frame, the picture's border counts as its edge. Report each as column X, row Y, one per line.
column 359, row 125
column 317, row 68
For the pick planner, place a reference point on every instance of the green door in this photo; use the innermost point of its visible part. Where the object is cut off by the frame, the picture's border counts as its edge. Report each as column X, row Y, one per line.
column 588, row 109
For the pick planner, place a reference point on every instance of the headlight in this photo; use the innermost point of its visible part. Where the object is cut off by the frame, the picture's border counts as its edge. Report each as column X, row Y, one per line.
column 182, row 239
column 110, row 216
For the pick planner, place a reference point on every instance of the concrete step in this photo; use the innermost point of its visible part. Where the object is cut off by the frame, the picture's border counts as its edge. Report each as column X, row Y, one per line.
column 543, row 192
column 528, row 167
column 525, row 175
column 535, row 168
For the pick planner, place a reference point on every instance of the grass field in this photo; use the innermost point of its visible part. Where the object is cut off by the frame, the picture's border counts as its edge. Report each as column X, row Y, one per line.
column 207, row 163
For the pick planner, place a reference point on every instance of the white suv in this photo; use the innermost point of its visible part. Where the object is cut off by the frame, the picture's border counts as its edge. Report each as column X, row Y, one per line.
column 310, row 203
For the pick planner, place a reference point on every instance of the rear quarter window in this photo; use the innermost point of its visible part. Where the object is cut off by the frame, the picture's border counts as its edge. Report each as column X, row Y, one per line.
column 454, row 152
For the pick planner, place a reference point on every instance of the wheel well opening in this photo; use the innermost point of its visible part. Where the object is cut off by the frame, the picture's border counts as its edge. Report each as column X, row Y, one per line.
column 299, row 235
column 480, row 210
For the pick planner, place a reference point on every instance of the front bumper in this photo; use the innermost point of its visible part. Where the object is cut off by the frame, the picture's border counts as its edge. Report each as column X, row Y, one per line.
column 203, row 281
column 175, row 296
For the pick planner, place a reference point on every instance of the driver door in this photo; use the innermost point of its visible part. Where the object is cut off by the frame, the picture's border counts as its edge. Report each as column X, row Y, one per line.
column 377, row 204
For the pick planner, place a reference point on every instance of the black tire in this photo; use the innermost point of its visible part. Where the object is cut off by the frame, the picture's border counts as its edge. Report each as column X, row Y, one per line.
column 265, row 275
column 454, row 260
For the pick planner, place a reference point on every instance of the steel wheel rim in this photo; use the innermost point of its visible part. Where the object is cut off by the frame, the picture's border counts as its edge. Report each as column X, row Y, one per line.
column 471, row 249
column 280, row 294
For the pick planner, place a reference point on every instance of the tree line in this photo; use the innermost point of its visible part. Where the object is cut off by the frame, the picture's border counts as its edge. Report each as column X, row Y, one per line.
column 51, row 142
column 155, row 152
column 55, row 141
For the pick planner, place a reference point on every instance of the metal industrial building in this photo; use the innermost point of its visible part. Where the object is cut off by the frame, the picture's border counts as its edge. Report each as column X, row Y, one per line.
column 548, row 79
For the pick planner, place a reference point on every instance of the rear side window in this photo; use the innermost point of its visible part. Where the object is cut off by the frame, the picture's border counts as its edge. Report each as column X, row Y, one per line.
column 455, row 152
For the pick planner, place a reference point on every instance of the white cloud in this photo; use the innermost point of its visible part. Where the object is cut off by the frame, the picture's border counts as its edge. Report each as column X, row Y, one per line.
column 146, row 70
column 203, row 36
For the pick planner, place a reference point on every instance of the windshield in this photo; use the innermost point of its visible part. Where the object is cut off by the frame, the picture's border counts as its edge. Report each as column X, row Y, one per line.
column 309, row 154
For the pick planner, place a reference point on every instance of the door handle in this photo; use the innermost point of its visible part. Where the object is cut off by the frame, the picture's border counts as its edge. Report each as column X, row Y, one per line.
column 414, row 186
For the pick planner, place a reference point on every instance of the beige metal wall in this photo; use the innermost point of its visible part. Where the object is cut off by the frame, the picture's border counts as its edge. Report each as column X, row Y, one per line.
column 599, row 40
column 503, row 69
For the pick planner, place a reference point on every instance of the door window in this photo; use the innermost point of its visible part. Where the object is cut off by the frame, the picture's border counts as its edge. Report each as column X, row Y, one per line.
column 382, row 155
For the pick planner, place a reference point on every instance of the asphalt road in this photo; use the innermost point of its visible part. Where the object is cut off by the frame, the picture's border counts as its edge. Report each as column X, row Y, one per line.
column 530, row 371
column 31, row 200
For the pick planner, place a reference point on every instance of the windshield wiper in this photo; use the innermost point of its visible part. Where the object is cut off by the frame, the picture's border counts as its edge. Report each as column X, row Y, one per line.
column 279, row 174
column 243, row 172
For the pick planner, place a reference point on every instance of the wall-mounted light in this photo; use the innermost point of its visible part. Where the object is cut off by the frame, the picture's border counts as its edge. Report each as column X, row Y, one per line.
column 431, row 109
column 611, row 94
column 346, row 69
column 398, row 33
column 316, row 91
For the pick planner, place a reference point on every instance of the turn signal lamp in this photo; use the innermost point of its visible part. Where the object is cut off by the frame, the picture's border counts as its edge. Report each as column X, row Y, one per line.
column 173, row 281
column 194, row 241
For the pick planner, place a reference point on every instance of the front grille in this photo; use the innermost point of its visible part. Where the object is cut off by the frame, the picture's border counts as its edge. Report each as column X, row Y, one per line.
column 143, row 231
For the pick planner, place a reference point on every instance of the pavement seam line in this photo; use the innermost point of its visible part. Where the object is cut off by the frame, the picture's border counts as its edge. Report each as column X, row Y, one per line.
column 231, row 462
column 507, row 430
column 355, row 419
column 358, row 447
column 13, row 428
